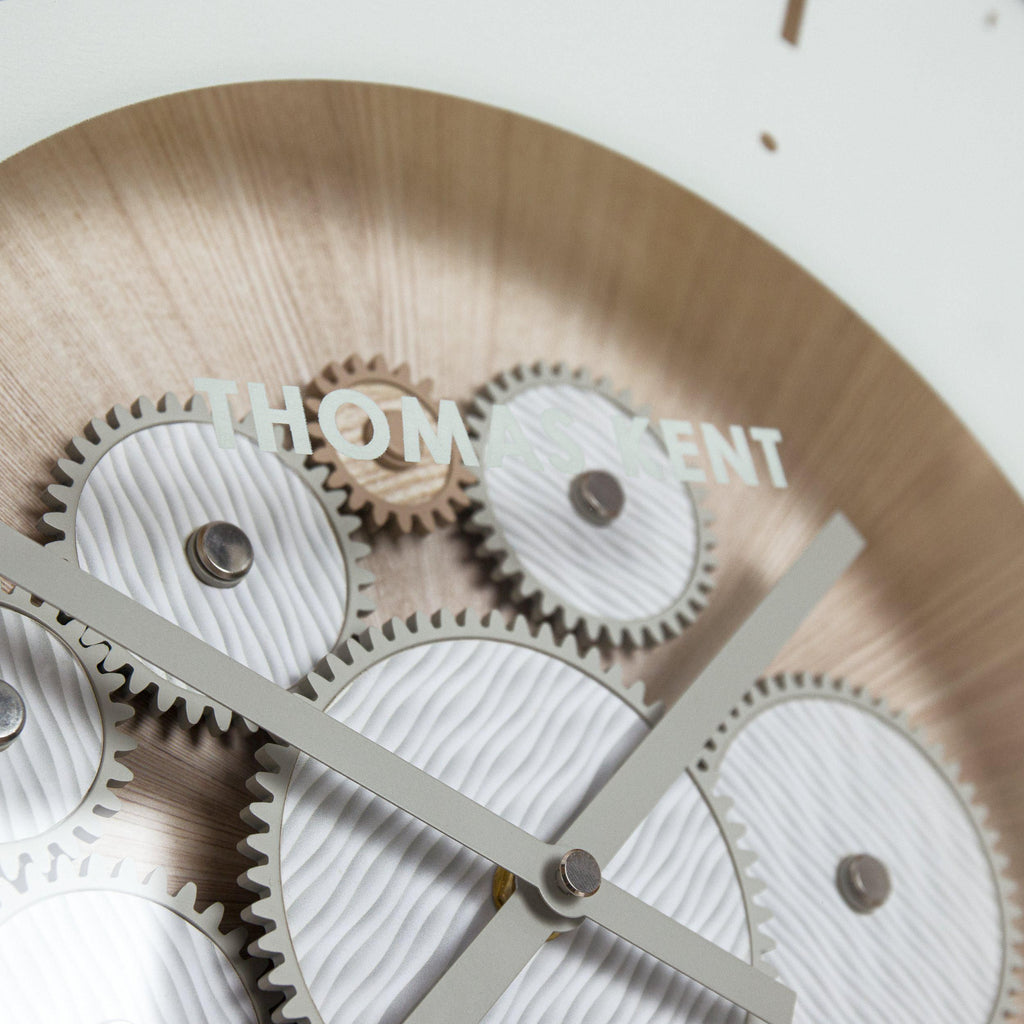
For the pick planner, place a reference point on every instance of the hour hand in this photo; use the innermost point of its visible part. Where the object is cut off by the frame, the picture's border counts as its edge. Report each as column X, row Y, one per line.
column 630, row 795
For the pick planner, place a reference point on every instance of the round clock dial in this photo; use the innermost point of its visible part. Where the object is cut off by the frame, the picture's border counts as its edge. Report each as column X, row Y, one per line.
column 260, row 233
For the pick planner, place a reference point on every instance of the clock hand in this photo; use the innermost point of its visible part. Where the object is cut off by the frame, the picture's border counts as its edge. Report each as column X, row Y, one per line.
column 296, row 721
column 677, row 740
column 492, row 961
column 487, row 966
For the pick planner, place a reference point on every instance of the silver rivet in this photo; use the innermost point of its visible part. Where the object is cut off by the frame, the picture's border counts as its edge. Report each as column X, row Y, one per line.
column 12, row 715
column 220, row 554
column 863, row 881
column 579, row 874
column 393, row 457
column 598, row 496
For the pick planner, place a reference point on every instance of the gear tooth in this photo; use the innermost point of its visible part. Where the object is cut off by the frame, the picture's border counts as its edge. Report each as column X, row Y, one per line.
column 200, row 408
column 445, row 619
column 544, row 632
column 157, row 878
column 65, row 472
column 63, row 868
column 128, row 871
column 476, row 419
column 11, row 867
column 318, row 474
column 329, row 376
column 407, row 521
column 96, row 431
column 143, row 407
column 52, row 525
column 745, row 858
column 169, row 404
column 592, row 659
column 379, row 516
column 490, row 620
column 491, row 544
column 522, row 629
column 118, row 417
column 582, row 377
column 78, row 449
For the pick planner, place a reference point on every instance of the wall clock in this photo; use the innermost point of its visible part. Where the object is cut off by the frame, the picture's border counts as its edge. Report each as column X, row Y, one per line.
column 259, row 232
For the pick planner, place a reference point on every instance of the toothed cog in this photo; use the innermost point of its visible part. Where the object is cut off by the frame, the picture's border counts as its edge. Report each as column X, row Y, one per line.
column 364, row 907
column 412, row 495
column 97, row 945
column 57, row 775
column 142, row 485
column 619, row 557
column 886, row 899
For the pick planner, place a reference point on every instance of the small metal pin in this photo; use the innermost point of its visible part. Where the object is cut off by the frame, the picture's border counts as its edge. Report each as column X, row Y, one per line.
column 393, row 457
column 12, row 715
column 863, row 881
column 220, row 554
column 597, row 496
column 579, row 874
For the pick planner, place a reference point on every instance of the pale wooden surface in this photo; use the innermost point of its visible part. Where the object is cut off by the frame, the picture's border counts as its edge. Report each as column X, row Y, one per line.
column 258, row 232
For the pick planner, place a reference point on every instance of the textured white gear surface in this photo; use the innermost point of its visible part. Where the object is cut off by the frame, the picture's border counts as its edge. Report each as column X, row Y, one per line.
column 90, row 950
column 48, row 770
column 640, row 579
column 154, row 487
column 57, row 777
column 814, row 779
column 633, row 568
column 376, row 905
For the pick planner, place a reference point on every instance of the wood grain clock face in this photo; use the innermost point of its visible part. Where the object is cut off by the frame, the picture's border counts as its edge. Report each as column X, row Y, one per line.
column 261, row 233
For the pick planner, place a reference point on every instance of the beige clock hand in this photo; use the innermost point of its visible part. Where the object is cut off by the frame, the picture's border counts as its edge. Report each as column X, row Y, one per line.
column 298, row 722
column 646, row 775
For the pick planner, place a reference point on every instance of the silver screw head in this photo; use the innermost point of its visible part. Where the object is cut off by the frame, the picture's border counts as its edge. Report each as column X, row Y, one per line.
column 220, row 554
column 863, row 881
column 579, row 874
column 597, row 496
column 12, row 715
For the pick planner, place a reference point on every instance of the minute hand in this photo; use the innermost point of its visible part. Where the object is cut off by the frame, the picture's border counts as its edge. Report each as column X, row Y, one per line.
column 644, row 778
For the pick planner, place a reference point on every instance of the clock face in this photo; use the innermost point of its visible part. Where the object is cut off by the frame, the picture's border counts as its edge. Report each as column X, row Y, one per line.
column 267, row 234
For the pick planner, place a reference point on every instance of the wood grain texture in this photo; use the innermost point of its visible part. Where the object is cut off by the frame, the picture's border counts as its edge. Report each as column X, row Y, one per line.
column 259, row 232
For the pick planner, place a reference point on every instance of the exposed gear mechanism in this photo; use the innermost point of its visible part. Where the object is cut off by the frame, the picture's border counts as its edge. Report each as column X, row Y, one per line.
column 887, row 898
column 348, row 885
column 94, row 942
column 60, row 772
column 143, row 487
column 618, row 558
column 417, row 496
